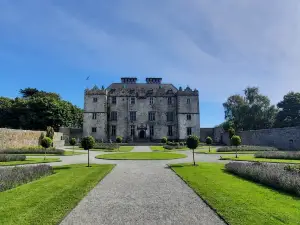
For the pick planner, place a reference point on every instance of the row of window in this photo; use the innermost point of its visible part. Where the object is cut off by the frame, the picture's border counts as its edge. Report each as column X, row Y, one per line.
column 132, row 115
column 132, row 100
column 132, row 130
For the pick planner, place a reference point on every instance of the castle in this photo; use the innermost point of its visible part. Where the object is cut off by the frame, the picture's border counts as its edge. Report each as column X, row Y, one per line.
column 141, row 111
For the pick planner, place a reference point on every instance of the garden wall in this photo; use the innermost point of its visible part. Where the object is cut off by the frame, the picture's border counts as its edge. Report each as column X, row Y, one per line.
column 69, row 133
column 282, row 138
column 11, row 138
column 204, row 132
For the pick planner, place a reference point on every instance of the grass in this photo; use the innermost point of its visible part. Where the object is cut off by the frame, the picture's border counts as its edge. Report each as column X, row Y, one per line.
column 251, row 158
column 238, row 201
column 141, row 156
column 49, row 199
column 162, row 149
column 122, row 149
column 30, row 161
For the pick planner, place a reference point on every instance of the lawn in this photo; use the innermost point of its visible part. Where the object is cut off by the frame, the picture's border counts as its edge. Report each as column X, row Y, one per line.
column 30, row 161
column 161, row 149
column 252, row 159
column 141, row 156
column 238, row 201
column 50, row 199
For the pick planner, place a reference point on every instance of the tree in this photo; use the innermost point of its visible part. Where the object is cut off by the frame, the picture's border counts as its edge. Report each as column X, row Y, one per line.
column 289, row 113
column 119, row 139
column 192, row 142
column 46, row 143
column 236, row 141
column 88, row 143
column 231, row 132
column 208, row 141
column 50, row 132
column 164, row 140
column 28, row 92
column 72, row 143
column 5, row 111
column 250, row 112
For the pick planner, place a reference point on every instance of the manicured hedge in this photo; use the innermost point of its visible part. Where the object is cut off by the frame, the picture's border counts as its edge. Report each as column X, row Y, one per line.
column 246, row 148
column 32, row 151
column 277, row 176
column 8, row 157
column 11, row 177
column 278, row 155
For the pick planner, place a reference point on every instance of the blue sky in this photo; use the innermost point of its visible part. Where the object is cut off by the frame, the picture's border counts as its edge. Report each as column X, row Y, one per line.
column 216, row 46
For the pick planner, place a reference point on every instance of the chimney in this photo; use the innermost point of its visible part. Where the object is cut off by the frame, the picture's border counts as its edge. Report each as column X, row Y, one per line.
column 153, row 80
column 128, row 80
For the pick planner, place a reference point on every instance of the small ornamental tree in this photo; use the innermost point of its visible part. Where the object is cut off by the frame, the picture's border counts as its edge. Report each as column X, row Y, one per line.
column 46, row 143
column 192, row 142
column 236, row 141
column 88, row 143
column 164, row 140
column 208, row 141
column 119, row 139
column 72, row 143
column 231, row 132
column 50, row 132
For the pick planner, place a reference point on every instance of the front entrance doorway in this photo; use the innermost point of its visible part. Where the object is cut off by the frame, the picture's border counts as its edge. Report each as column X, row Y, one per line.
column 142, row 134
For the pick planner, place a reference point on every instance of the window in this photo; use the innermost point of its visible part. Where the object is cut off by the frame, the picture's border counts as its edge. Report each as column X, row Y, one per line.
column 188, row 116
column 170, row 116
column 188, row 101
column 132, row 116
column 95, row 99
column 132, row 101
column 132, row 130
column 151, row 100
column 94, row 116
column 94, row 129
column 169, row 101
column 151, row 116
column 189, row 131
column 114, row 100
column 114, row 116
column 170, row 130
column 151, row 130
column 113, row 130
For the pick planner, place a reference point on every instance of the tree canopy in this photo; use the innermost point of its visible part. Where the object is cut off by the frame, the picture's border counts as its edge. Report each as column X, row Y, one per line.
column 36, row 110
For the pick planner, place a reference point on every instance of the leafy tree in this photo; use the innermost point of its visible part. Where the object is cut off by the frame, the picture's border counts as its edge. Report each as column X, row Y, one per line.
column 250, row 112
column 119, row 139
column 50, row 132
column 5, row 111
column 88, row 143
column 164, row 140
column 72, row 142
column 236, row 141
column 46, row 143
column 289, row 113
column 231, row 132
column 208, row 141
column 28, row 92
column 192, row 142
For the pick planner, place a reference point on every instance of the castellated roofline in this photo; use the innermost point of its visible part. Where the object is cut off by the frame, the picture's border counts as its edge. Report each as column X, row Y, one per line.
column 95, row 91
column 187, row 92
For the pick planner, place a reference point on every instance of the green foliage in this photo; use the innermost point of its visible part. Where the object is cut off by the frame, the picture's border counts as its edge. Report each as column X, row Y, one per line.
column 72, row 141
column 37, row 110
column 88, row 142
column 50, row 132
column 236, row 140
column 252, row 111
column 208, row 140
column 192, row 142
column 8, row 158
column 46, row 142
column 119, row 139
column 250, row 148
column 164, row 140
column 231, row 132
column 289, row 113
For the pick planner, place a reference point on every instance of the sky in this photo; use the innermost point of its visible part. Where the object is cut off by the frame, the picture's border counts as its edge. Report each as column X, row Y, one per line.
column 216, row 46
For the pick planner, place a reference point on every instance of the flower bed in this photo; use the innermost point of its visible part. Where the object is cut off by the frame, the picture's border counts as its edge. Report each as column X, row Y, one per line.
column 278, row 155
column 281, row 177
column 11, row 177
column 246, row 148
column 8, row 158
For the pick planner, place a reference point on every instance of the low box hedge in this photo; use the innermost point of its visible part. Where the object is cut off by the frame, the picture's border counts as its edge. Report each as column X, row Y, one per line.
column 32, row 150
column 278, row 155
column 246, row 148
column 8, row 157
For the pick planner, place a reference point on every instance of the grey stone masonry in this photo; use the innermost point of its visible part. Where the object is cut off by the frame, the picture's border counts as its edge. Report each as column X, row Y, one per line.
column 141, row 111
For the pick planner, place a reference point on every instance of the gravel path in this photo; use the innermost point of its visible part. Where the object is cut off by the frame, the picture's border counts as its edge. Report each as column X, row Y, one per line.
column 142, row 192
column 141, row 149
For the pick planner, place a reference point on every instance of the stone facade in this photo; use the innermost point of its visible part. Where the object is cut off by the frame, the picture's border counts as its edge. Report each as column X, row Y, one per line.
column 11, row 138
column 141, row 111
column 69, row 132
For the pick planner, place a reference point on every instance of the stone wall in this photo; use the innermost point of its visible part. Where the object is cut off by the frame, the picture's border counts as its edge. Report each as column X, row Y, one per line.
column 69, row 133
column 11, row 138
column 282, row 138
column 204, row 132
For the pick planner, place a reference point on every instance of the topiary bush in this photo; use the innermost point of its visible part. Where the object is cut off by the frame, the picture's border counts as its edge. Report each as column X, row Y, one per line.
column 46, row 142
column 119, row 139
column 208, row 141
column 192, row 142
column 88, row 142
column 8, row 158
column 236, row 141
column 164, row 140
column 50, row 132
column 72, row 142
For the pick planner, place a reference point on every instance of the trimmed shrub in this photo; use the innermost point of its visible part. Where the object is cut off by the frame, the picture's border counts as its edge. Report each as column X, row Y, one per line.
column 192, row 142
column 46, row 142
column 72, row 141
column 88, row 142
column 164, row 140
column 11, row 177
column 168, row 147
column 119, row 139
column 208, row 140
column 231, row 132
column 277, row 176
column 246, row 148
column 50, row 132
column 236, row 140
column 278, row 155
column 8, row 158
column 106, row 146
column 32, row 150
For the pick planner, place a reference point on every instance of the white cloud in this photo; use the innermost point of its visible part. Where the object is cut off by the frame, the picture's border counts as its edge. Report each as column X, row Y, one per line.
column 219, row 47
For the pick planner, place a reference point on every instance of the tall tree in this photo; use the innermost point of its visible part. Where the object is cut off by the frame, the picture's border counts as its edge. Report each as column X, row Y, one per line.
column 289, row 111
column 250, row 112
